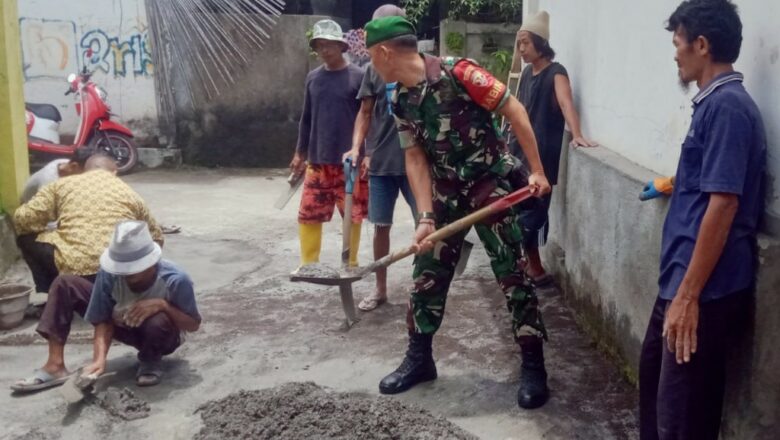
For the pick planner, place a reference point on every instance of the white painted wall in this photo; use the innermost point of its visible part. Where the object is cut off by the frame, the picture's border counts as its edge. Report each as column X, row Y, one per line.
column 620, row 59
column 55, row 37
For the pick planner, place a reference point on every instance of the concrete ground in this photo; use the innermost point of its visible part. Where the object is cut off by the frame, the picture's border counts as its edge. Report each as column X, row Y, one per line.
column 260, row 330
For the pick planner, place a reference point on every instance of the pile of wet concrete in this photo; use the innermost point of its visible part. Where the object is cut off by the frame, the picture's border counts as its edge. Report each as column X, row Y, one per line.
column 305, row 410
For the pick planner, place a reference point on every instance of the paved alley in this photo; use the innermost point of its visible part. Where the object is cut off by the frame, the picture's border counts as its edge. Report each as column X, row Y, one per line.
column 259, row 330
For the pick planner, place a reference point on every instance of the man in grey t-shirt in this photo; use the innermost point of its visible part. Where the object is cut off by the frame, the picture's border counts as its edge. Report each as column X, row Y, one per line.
column 383, row 162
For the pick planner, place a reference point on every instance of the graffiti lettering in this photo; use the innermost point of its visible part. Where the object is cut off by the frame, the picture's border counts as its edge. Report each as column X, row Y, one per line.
column 48, row 48
column 112, row 56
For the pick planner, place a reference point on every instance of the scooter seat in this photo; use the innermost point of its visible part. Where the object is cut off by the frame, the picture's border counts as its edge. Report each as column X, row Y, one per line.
column 45, row 111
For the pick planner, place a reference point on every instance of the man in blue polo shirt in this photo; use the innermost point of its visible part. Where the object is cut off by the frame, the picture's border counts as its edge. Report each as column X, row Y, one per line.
column 708, row 252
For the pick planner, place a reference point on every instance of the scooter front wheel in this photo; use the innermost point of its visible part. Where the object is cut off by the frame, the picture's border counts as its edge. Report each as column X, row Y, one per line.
column 119, row 146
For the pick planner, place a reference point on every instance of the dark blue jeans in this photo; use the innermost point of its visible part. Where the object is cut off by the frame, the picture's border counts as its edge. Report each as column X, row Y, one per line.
column 684, row 402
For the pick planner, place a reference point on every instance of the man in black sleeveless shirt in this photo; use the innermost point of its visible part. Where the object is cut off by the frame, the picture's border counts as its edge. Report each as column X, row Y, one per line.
column 546, row 94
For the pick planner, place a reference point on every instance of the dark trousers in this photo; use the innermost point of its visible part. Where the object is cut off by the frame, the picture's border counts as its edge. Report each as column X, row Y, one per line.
column 684, row 402
column 156, row 337
column 40, row 259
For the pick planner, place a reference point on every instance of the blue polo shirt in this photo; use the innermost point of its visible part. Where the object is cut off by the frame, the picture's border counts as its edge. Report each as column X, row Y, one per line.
column 724, row 152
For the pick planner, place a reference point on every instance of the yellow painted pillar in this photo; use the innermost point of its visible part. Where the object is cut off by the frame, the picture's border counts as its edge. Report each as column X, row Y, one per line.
column 14, row 165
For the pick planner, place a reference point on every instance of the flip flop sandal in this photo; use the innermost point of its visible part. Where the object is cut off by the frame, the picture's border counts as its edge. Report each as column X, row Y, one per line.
column 369, row 303
column 149, row 374
column 40, row 380
column 171, row 229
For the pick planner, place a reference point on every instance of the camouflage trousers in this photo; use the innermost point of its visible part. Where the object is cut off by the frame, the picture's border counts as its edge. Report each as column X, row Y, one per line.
column 502, row 237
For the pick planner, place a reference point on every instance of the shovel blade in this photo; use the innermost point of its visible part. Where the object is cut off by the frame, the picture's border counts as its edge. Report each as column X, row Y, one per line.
column 465, row 252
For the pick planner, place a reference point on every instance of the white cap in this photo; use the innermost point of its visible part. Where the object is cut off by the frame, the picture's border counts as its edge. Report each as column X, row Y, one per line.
column 538, row 24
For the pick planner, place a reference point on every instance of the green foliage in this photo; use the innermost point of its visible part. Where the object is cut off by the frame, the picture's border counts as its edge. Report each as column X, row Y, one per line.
column 416, row 9
column 506, row 10
column 455, row 42
column 502, row 10
column 309, row 34
column 466, row 8
column 499, row 63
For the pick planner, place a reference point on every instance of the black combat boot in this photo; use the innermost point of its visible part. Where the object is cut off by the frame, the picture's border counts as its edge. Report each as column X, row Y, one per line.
column 533, row 391
column 417, row 366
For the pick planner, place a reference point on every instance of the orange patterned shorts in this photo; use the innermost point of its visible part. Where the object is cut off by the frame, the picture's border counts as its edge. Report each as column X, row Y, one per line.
column 323, row 188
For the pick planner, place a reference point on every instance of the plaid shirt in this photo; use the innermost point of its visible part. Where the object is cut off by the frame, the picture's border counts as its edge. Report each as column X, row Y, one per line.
column 86, row 208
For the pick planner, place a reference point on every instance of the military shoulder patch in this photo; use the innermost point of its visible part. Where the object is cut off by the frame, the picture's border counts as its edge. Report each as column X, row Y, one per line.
column 482, row 87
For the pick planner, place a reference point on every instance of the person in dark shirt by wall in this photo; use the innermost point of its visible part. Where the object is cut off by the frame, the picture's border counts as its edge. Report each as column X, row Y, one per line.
column 708, row 249
column 545, row 92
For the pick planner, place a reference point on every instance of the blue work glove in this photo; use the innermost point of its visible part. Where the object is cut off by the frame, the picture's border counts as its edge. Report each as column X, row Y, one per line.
column 661, row 186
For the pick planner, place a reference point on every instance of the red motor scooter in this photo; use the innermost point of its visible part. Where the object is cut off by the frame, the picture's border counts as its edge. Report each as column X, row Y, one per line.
column 96, row 130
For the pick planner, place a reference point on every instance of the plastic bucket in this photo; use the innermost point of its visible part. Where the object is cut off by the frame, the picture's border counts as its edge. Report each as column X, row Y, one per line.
column 14, row 299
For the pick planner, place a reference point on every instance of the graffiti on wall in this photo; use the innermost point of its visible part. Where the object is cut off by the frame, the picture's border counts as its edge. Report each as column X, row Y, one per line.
column 51, row 49
column 109, row 54
column 48, row 48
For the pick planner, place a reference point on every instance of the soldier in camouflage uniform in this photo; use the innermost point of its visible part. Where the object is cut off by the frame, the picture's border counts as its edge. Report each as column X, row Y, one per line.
column 457, row 162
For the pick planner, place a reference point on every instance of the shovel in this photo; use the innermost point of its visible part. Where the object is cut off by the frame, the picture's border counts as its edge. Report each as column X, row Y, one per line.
column 317, row 273
column 347, row 277
column 345, row 289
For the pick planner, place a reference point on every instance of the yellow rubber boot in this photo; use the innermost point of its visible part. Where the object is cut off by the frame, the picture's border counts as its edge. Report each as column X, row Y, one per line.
column 311, row 242
column 354, row 244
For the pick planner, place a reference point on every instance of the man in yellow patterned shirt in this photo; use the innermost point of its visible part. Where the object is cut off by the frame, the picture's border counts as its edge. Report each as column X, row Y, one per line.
column 86, row 208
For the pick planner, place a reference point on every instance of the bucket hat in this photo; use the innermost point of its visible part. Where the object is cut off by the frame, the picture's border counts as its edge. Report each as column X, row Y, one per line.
column 131, row 250
column 328, row 30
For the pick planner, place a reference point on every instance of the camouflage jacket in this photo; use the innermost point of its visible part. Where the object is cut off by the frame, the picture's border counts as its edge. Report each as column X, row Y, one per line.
column 450, row 115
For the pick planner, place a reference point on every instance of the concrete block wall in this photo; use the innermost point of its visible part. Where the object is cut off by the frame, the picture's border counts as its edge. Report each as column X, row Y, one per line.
column 620, row 61
column 55, row 38
column 475, row 36
column 254, row 122
column 604, row 244
column 604, row 248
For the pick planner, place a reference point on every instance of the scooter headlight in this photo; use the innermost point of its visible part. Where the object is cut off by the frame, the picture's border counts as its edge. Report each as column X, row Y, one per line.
column 101, row 93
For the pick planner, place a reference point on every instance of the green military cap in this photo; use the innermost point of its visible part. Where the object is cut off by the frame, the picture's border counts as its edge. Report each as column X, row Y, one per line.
column 386, row 28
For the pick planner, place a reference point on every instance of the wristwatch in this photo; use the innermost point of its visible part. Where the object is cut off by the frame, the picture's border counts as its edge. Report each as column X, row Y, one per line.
column 426, row 214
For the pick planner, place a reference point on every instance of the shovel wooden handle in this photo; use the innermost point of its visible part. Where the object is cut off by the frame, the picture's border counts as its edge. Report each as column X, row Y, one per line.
column 453, row 228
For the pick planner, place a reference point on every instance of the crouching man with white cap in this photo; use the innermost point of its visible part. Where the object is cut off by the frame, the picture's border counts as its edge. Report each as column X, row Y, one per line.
column 138, row 299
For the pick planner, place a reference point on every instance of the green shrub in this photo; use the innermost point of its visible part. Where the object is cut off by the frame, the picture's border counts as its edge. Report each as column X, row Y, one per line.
column 455, row 42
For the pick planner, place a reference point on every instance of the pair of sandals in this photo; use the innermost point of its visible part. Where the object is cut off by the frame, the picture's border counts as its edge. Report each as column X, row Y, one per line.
column 149, row 374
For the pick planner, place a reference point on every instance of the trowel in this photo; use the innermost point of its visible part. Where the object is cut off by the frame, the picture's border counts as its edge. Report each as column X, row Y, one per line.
column 78, row 385
column 294, row 180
